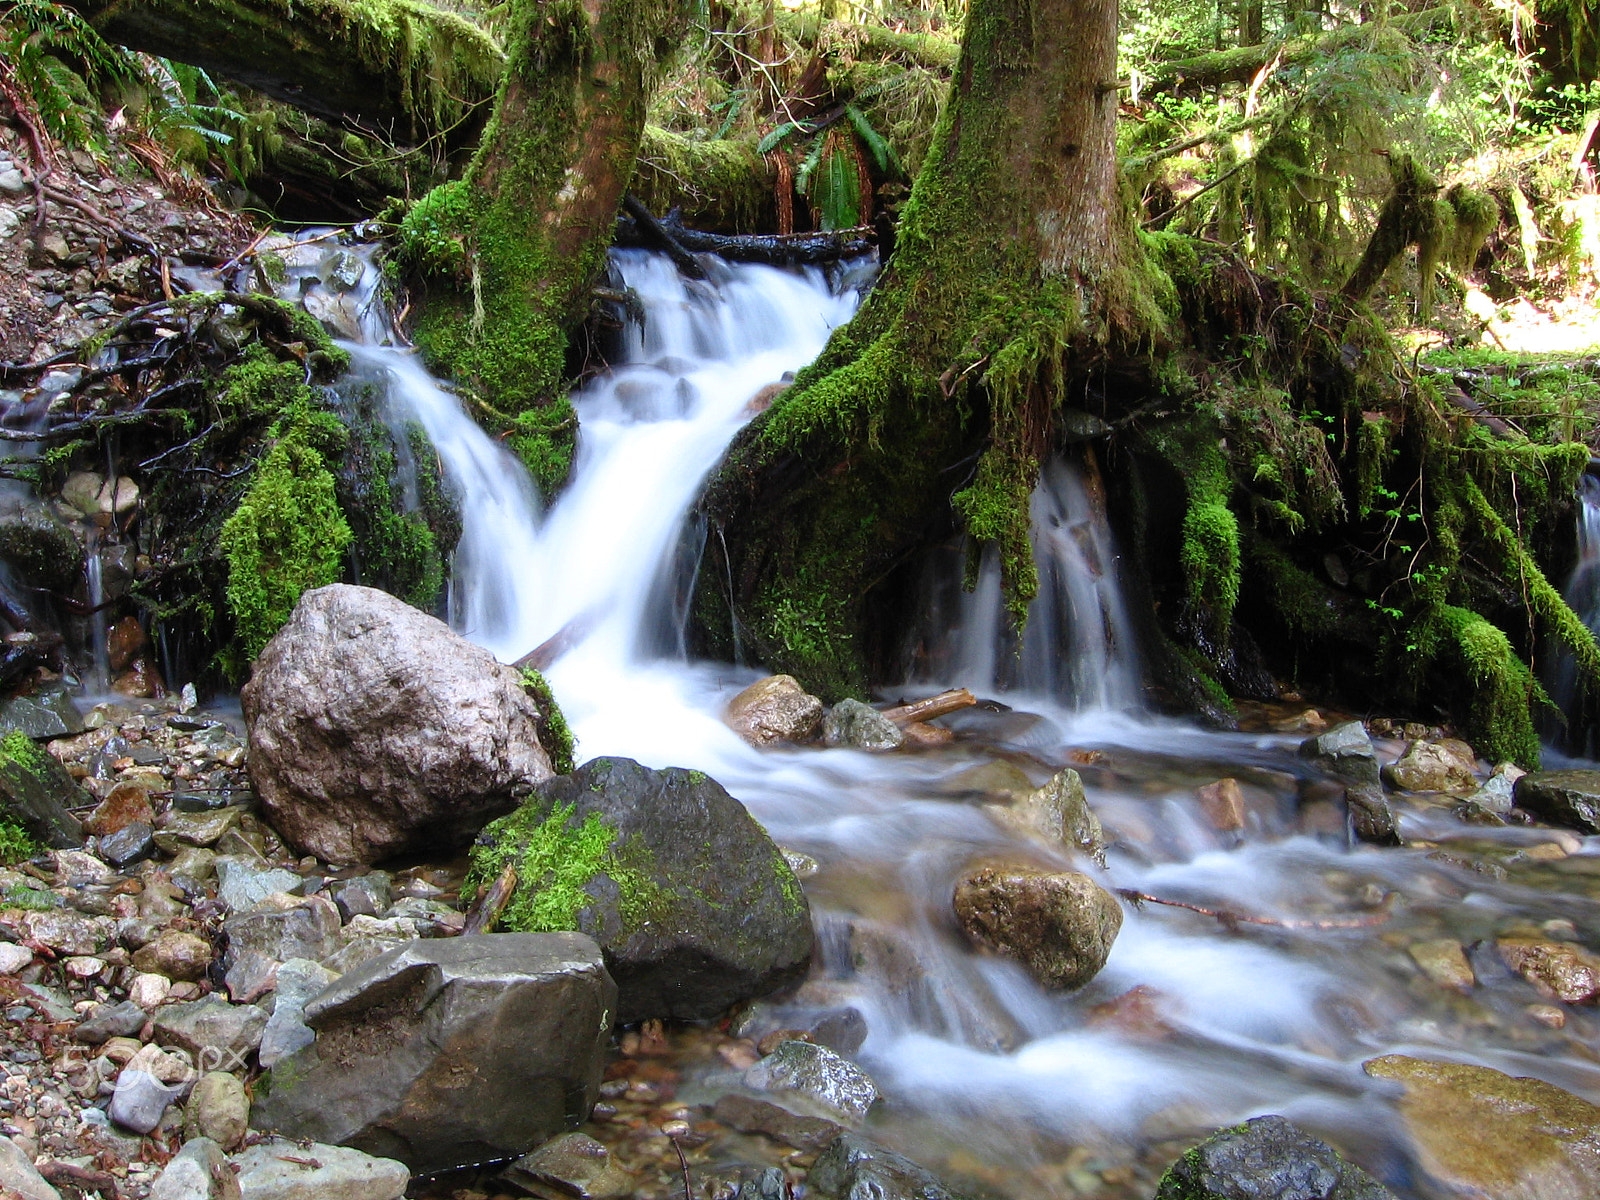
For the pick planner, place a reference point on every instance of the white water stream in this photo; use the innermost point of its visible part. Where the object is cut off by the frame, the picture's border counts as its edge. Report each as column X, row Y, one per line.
column 1033, row 1094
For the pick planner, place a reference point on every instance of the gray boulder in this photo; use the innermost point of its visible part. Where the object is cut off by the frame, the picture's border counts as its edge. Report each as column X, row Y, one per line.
column 199, row 1171
column 1570, row 798
column 1267, row 1158
column 215, row 1034
column 450, row 1051
column 860, row 727
column 816, row 1081
column 853, row 1167
column 308, row 928
column 47, row 713
column 298, row 981
column 1345, row 751
column 18, row 1176
column 1060, row 925
column 36, row 792
column 316, row 1172
column 374, row 730
column 692, row 903
column 1059, row 812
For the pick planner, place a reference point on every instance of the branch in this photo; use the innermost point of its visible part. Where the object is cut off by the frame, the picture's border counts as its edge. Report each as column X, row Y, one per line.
column 1231, row 918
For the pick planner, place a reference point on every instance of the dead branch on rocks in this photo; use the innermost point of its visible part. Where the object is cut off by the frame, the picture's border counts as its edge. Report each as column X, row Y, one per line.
column 1233, row 919
column 934, row 706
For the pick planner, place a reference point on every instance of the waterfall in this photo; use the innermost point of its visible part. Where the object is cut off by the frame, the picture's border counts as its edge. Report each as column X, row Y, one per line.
column 1583, row 594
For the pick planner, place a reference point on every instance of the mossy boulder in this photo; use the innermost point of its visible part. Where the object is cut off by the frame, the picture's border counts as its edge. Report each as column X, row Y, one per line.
column 38, row 546
column 692, row 903
column 1267, row 1158
column 36, row 793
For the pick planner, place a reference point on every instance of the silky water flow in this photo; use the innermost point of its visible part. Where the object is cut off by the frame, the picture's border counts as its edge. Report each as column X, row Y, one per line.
column 1194, row 1023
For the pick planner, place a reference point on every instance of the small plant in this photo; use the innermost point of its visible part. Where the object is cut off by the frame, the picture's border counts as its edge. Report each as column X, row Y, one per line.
column 16, row 843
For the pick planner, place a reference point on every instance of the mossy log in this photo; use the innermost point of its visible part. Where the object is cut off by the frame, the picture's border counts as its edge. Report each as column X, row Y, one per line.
column 1011, row 259
column 401, row 68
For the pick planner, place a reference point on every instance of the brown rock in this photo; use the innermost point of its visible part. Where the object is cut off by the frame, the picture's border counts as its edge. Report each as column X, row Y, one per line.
column 123, row 643
column 757, row 1116
column 1060, row 925
column 923, row 736
column 126, row 804
column 375, row 729
column 177, row 955
column 141, row 679
column 774, row 709
column 1222, row 803
column 1559, row 970
column 1444, row 962
column 1443, row 766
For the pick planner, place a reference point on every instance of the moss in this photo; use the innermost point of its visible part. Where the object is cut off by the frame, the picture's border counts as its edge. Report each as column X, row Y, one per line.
column 717, row 184
column 30, row 899
column 554, row 733
column 286, row 536
column 16, row 844
column 556, row 861
column 1499, row 721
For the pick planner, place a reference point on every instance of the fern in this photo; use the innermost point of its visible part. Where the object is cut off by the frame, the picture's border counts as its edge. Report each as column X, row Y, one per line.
column 48, row 58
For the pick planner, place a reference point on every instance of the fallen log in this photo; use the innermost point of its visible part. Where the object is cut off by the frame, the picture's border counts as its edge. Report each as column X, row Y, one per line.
column 486, row 912
column 919, row 711
column 661, row 238
column 775, row 249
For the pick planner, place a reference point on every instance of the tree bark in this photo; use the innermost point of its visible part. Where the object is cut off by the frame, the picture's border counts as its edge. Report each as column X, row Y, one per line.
column 404, row 70
column 1012, row 259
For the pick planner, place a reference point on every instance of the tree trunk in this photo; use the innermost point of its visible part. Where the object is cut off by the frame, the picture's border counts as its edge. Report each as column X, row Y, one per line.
column 406, row 71
column 1012, row 263
column 514, row 250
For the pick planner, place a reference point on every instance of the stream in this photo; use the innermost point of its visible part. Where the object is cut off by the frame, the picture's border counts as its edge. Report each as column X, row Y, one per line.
column 1195, row 1022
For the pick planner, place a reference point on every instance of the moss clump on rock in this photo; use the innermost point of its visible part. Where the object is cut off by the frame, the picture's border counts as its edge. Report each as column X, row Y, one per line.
column 554, row 734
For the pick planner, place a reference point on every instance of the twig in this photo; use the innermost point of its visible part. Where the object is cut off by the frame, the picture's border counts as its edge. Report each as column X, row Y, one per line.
column 1231, row 918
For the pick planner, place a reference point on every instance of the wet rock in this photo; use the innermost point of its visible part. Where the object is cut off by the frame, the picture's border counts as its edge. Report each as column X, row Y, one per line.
column 14, row 958
column 365, row 896
column 213, row 1032
column 68, row 932
column 204, row 829
column 775, row 709
column 293, row 1171
column 131, row 844
column 1222, row 805
column 1059, row 812
column 219, row 1109
column 1060, row 925
column 18, row 1175
column 815, row 1080
column 1569, row 798
column 250, row 976
column 200, row 1171
column 668, row 856
column 243, row 883
column 148, row 991
column 375, row 729
column 996, row 778
column 491, row 1043
column 1267, row 1158
column 36, row 792
column 1498, row 791
column 47, row 713
column 126, row 804
column 574, row 1165
column 342, row 270
column 1445, row 963
column 39, row 547
column 108, row 1021
column 175, row 954
column 1371, row 819
column 367, row 938
column 1346, row 751
column 1481, row 1133
column 298, row 981
column 757, row 1116
column 852, row 1168
column 1559, row 970
column 308, row 927
column 151, row 1080
column 860, row 727
column 1444, row 766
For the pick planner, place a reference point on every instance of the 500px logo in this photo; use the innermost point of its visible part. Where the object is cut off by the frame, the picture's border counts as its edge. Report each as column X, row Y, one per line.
column 193, row 1064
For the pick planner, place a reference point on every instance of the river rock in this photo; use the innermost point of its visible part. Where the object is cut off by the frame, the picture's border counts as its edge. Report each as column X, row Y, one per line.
column 1569, row 798
column 860, row 727
column 572, row 1165
column 1371, row 819
column 1267, row 1158
column 1345, row 751
column 48, row 713
column 1060, row 925
column 298, row 981
column 200, row 1171
column 1481, row 1133
column 243, row 883
column 1059, row 812
column 219, row 1109
column 125, row 804
column 150, row 1081
column 36, row 793
column 19, row 1176
column 305, row 927
column 774, row 709
column 490, row 1044
column 131, row 844
column 757, row 1116
column 1443, row 961
column 107, row 1021
column 1443, row 766
column 692, row 903
column 1222, row 805
column 297, row 1171
column 853, row 1167
column 1559, row 970
column 39, row 547
column 375, row 729
column 203, row 829
column 816, row 1080
column 178, row 955
column 214, row 1033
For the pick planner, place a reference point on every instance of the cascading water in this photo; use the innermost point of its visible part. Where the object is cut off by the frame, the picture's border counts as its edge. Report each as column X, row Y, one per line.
column 1583, row 594
column 1194, row 1023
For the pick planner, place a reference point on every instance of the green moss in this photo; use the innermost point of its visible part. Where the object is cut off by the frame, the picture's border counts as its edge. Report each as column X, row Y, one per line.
column 30, row 899
column 1499, row 721
column 554, row 734
column 17, row 746
column 286, row 536
column 16, row 844
column 718, row 184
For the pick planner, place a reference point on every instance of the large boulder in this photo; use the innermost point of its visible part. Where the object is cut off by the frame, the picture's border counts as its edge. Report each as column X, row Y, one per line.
column 36, row 792
column 1481, row 1133
column 1058, row 924
column 775, row 709
column 375, row 730
column 692, row 903
column 1443, row 766
column 450, row 1051
column 1267, row 1158
column 1562, row 797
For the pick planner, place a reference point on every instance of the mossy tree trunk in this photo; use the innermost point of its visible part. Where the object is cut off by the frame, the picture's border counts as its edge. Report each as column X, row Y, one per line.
column 514, row 249
column 1012, row 270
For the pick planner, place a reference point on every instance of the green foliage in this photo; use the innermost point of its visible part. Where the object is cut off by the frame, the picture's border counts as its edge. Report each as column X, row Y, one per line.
column 30, row 899
column 48, row 58
column 554, row 734
column 16, row 844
